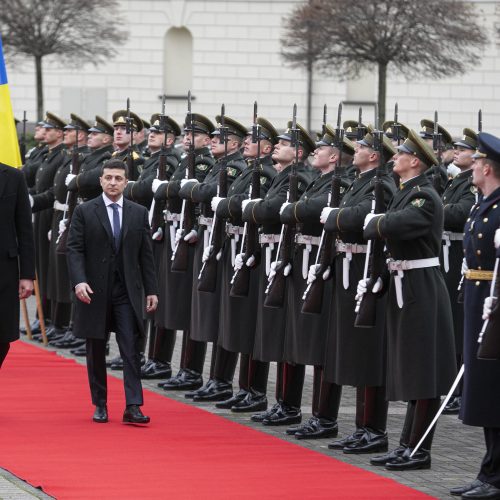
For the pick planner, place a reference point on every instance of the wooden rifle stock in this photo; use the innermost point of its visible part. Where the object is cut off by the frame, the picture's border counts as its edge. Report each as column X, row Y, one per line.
column 157, row 220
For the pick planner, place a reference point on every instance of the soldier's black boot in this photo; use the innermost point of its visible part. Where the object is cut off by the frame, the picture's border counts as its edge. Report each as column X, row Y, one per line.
column 160, row 355
column 326, row 403
column 453, row 405
column 425, row 411
column 256, row 400
column 242, row 382
column 199, row 363
column 259, row 417
column 374, row 439
column 293, row 383
column 340, row 444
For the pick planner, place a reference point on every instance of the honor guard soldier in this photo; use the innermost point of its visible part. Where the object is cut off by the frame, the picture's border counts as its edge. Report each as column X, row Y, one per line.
column 161, row 139
column 458, row 197
column 75, row 140
column 238, row 312
column 174, row 310
column 100, row 144
column 356, row 356
column 353, row 130
column 227, row 139
column 420, row 344
column 270, row 330
column 305, row 334
column 396, row 132
column 42, row 205
column 141, row 138
column 35, row 156
column 480, row 402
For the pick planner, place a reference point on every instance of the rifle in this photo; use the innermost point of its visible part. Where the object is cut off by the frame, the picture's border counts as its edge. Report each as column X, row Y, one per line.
column 366, row 306
column 249, row 242
column 396, row 127
column 437, row 145
column 361, row 130
column 207, row 279
column 313, row 294
column 479, row 121
column 275, row 291
column 22, row 142
column 180, row 254
column 71, row 199
column 156, row 210
column 489, row 338
column 132, row 171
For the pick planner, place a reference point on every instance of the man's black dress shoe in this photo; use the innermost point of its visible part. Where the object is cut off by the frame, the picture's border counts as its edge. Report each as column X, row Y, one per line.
column 254, row 401
column 383, row 459
column 485, row 490
column 114, row 360
column 460, row 490
column 260, row 417
column 100, row 414
column 219, row 390
column 285, row 415
column 156, row 369
column 184, row 380
column 34, row 327
column 453, row 406
column 316, row 428
column 370, row 442
column 68, row 336
column 192, row 394
column 116, row 364
column 352, row 438
column 226, row 404
column 420, row 460
column 79, row 351
column 133, row 415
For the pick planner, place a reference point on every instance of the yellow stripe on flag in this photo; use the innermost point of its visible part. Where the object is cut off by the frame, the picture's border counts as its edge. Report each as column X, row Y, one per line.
column 9, row 147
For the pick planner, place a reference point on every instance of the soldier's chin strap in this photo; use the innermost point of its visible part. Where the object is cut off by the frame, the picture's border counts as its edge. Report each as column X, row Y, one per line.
column 438, row 414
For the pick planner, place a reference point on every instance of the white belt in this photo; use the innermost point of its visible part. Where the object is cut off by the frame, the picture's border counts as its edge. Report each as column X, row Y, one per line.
column 269, row 239
column 237, row 230
column 205, row 221
column 400, row 266
column 448, row 237
column 60, row 206
column 171, row 217
column 348, row 249
column 307, row 239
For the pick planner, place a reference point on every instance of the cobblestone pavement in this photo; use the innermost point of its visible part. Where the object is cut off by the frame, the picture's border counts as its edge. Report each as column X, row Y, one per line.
column 456, row 454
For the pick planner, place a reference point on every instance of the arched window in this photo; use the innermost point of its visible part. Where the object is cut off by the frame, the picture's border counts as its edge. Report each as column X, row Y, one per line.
column 178, row 62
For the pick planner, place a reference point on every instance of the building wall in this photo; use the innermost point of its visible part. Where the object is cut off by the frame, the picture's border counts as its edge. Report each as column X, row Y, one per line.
column 236, row 60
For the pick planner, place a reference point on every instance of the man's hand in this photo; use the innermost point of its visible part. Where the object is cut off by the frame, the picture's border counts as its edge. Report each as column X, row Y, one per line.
column 285, row 204
column 465, row 267
column 313, row 273
column 62, row 226
column 156, row 184
column 363, row 285
column 25, row 288
column 244, row 203
column 83, row 292
column 215, row 202
column 369, row 217
column 151, row 303
column 324, row 214
column 496, row 240
column 69, row 178
column 32, row 201
column 186, row 181
column 489, row 303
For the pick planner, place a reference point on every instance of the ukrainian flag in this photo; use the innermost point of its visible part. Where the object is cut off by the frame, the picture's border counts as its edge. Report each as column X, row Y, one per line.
column 9, row 147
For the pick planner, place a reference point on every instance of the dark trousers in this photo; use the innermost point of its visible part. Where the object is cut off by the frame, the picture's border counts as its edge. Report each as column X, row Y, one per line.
column 4, row 349
column 490, row 467
column 129, row 342
column 326, row 396
column 371, row 408
column 419, row 415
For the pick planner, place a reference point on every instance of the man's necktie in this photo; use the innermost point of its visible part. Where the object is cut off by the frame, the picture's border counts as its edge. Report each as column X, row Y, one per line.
column 116, row 225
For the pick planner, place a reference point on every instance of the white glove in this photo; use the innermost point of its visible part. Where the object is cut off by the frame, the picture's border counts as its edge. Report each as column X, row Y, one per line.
column 368, row 218
column 185, row 181
column 62, row 226
column 250, row 261
column 452, row 170
column 158, row 234
column 488, row 305
column 284, row 206
column 215, row 202
column 496, row 240
column 156, row 184
column 238, row 262
column 32, row 202
column 244, row 203
column 178, row 236
column 465, row 267
column 313, row 273
column 363, row 287
column 69, row 178
column 206, row 253
column 191, row 237
column 49, row 235
column 324, row 214
column 275, row 265
column 287, row 269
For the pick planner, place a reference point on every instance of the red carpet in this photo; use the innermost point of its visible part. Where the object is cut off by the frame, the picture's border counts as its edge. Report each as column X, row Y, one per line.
column 48, row 439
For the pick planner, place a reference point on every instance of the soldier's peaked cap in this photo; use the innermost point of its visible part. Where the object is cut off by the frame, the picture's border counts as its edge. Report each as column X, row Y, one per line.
column 120, row 118
column 201, row 124
column 266, row 130
column 170, row 126
column 488, row 147
column 427, row 131
column 101, row 126
column 77, row 123
column 415, row 145
column 468, row 139
column 351, row 128
column 369, row 141
column 305, row 139
column 233, row 127
column 328, row 139
column 390, row 130
column 53, row 121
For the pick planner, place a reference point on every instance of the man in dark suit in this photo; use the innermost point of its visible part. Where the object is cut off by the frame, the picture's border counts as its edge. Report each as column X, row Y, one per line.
column 17, row 253
column 110, row 261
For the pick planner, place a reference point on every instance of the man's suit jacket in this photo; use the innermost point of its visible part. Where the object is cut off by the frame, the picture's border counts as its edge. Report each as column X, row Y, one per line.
column 91, row 259
column 17, row 249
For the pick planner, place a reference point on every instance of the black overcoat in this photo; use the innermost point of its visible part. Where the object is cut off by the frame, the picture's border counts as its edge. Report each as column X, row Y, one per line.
column 17, row 249
column 91, row 258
